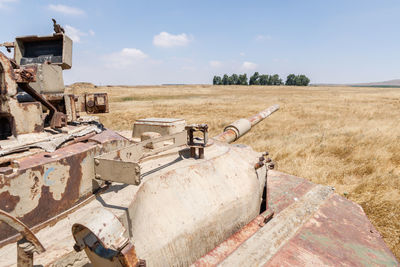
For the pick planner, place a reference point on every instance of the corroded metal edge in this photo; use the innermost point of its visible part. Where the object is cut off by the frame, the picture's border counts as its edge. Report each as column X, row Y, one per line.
column 258, row 249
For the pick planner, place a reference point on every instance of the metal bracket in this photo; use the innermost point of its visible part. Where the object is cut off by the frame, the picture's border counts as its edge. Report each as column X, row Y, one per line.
column 105, row 240
column 197, row 143
column 122, row 165
column 96, row 103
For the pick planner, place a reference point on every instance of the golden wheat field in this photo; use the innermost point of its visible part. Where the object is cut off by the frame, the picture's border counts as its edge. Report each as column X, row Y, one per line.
column 345, row 137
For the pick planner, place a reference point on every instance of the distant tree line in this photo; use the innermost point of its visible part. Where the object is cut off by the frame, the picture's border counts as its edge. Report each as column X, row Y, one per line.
column 263, row 79
column 298, row 80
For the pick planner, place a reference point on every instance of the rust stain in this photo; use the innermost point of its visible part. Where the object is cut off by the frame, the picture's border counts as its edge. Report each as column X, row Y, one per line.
column 284, row 189
column 48, row 210
column 8, row 202
column 35, row 187
column 338, row 234
column 128, row 256
column 47, row 206
column 223, row 250
column 38, row 128
column 226, row 137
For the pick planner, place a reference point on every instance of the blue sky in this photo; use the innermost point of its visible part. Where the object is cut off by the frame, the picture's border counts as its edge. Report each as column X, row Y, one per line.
column 155, row 42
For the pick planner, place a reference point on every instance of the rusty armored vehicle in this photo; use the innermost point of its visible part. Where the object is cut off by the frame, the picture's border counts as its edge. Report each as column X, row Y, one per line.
column 73, row 193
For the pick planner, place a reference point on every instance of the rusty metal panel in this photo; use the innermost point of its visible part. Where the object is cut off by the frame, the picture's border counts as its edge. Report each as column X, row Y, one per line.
column 338, row 234
column 220, row 252
column 8, row 79
column 285, row 189
column 27, row 117
column 71, row 107
column 45, row 184
column 26, row 74
column 269, row 239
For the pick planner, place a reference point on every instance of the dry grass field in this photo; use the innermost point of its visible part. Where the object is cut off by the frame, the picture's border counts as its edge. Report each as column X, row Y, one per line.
column 345, row 137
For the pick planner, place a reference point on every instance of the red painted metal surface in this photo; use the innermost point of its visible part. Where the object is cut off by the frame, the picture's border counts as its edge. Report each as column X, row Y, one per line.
column 220, row 252
column 337, row 234
column 285, row 189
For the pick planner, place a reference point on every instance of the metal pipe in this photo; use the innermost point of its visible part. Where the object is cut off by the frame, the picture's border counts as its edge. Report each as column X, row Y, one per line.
column 240, row 127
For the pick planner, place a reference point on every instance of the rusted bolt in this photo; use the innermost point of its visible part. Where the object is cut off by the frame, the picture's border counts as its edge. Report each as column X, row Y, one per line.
column 268, row 160
column 261, row 159
column 97, row 162
column 271, row 166
column 77, row 248
column 97, row 176
column 259, row 165
column 265, row 153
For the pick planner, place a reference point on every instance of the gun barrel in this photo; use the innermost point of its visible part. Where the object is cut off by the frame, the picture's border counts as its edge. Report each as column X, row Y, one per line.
column 240, row 127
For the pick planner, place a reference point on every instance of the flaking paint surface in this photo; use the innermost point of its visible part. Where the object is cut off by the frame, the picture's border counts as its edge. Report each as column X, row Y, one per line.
column 339, row 233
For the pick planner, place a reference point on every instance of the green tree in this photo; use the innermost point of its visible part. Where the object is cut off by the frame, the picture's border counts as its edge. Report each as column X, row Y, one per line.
column 275, row 80
column 263, row 79
column 225, row 79
column 254, row 79
column 291, row 79
column 234, row 79
column 243, row 79
column 217, row 80
column 303, row 80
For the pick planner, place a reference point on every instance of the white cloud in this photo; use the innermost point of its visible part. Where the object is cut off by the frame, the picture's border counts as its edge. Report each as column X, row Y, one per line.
column 124, row 58
column 4, row 2
column 249, row 65
column 215, row 63
column 262, row 37
column 66, row 10
column 74, row 33
column 133, row 53
column 165, row 39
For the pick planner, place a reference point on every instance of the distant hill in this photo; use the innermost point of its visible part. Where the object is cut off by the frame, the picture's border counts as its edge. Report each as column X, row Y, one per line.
column 394, row 83
column 391, row 83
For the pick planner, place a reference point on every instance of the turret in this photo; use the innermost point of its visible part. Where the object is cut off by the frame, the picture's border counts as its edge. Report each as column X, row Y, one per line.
column 32, row 95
